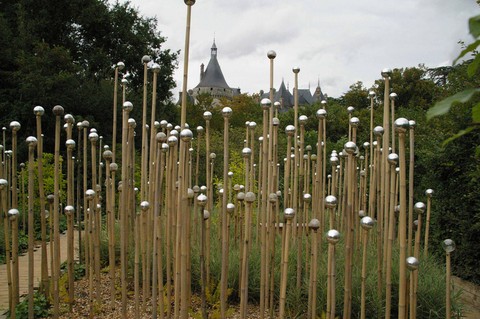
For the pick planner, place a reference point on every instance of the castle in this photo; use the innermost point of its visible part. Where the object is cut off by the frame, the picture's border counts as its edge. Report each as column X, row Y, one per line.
column 213, row 82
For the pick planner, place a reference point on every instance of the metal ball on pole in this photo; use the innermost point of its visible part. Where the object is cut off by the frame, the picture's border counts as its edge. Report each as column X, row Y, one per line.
column 449, row 246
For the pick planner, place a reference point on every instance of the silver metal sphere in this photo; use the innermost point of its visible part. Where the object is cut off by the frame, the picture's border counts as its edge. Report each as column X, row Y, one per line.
column 146, row 59
column 196, row 189
column 429, row 192
column 230, row 174
column 127, row 106
column 227, row 112
column 393, row 96
column 271, row 54
column 265, row 103
column 13, row 213
column 354, row 121
column 38, row 110
column 250, row 197
column 412, row 124
column 308, row 148
column 302, row 119
column 277, row 105
column 85, row 124
column 69, row 210
column 275, row 121
column 350, row 109
column 307, row 198
column 203, row 189
column 296, row 70
column 350, row 147
column 366, row 145
column 70, row 144
column 378, row 131
column 289, row 213
column 272, row 198
column 393, row 158
column 3, row 183
column 314, row 224
column 161, row 137
column 334, row 160
column 113, row 167
column 68, row 118
column 321, row 114
column 401, row 125
column 448, row 245
column 120, row 66
column 90, row 194
column 189, row 2
column 200, row 130
column 144, row 206
column 174, row 133
column 323, row 103
column 213, row 156
column 412, row 263
column 361, row 213
column 186, row 135
column 172, row 141
column 202, row 200
column 330, row 201
column 241, row 196
column 371, row 93
column 207, row 115
column 419, row 207
column 246, row 152
column 15, row 126
column 230, row 208
column 58, row 110
column 206, row 214
column 386, row 72
column 333, row 236
column 290, row 130
column 313, row 157
column 93, row 137
column 156, row 68
column 31, row 141
column 367, row 222
column 190, row 193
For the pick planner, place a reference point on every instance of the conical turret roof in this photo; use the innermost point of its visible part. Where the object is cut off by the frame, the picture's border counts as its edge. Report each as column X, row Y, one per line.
column 213, row 76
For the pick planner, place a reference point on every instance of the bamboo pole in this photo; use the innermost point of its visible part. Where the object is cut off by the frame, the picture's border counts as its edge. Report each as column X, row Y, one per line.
column 412, row 265
column 449, row 246
column 58, row 112
column 367, row 223
column 333, row 236
column 314, row 225
column 401, row 125
column 32, row 143
column 13, row 214
column 288, row 215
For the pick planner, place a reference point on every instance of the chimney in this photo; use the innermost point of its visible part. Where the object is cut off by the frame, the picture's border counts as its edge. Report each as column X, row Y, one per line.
column 202, row 71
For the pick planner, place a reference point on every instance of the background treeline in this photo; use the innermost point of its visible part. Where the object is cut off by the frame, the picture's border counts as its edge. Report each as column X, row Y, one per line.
column 62, row 53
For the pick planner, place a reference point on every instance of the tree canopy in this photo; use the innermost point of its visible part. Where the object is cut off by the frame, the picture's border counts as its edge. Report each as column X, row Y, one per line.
column 62, row 52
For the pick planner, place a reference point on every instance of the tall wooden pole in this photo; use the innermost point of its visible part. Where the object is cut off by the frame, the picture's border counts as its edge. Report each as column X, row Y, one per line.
column 58, row 112
column 449, row 246
column 32, row 143
column 401, row 126
column 288, row 215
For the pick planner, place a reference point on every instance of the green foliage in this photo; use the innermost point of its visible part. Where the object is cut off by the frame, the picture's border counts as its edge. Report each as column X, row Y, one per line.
column 41, row 307
column 467, row 94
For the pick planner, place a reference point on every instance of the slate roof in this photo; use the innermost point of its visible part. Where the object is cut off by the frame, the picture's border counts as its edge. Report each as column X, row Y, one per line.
column 213, row 76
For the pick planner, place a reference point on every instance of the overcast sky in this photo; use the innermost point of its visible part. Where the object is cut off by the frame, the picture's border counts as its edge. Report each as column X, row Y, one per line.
column 337, row 42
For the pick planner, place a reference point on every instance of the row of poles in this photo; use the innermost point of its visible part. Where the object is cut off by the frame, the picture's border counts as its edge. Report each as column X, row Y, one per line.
column 369, row 182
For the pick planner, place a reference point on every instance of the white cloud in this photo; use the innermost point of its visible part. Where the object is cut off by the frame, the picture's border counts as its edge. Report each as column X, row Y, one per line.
column 340, row 42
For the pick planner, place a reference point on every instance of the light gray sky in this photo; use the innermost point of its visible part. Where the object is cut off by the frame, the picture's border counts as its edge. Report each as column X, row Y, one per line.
column 337, row 42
